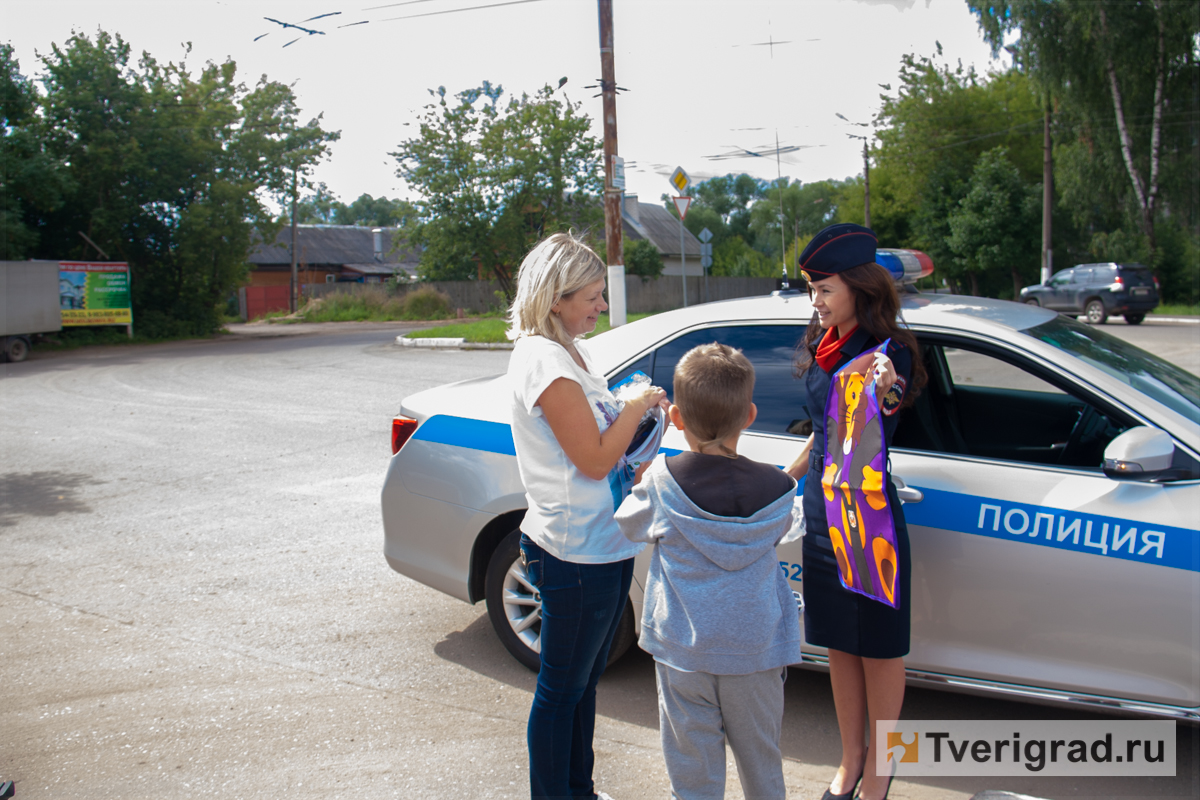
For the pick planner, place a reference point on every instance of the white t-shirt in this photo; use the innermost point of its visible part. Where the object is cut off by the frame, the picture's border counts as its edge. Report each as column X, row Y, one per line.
column 570, row 515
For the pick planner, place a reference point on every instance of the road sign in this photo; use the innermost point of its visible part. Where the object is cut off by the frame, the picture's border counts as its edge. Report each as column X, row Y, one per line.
column 681, row 205
column 680, row 180
column 706, row 252
column 705, row 236
column 618, row 180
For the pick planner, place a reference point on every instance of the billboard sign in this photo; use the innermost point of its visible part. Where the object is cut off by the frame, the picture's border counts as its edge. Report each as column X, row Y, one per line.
column 94, row 293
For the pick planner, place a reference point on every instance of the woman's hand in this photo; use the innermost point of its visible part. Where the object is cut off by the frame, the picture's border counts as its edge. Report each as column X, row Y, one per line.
column 884, row 375
column 566, row 409
column 646, row 398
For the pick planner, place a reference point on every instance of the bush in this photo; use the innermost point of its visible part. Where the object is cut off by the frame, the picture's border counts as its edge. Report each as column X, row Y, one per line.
column 426, row 302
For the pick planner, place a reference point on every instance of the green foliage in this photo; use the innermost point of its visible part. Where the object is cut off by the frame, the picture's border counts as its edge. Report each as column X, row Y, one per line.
column 160, row 167
column 322, row 207
column 493, row 179
column 806, row 209
column 936, row 127
column 32, row 181
column 734, row 257
column 642, row 258
column 994, row 232
column 425, row 302
column 721, row 204
column 1086, row 54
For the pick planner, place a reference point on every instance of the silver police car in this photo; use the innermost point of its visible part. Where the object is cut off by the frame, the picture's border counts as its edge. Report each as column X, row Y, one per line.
column 1050, row 474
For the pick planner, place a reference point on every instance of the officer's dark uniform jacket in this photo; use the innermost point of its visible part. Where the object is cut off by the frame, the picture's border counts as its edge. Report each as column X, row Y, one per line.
column 833, row 616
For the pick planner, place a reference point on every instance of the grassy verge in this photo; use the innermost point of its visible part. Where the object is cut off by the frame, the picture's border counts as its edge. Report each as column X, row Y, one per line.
column 1177, row 311
column 493, row 329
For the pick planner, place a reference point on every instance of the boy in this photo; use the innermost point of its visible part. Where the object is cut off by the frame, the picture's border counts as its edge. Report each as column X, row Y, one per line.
column 719, row 617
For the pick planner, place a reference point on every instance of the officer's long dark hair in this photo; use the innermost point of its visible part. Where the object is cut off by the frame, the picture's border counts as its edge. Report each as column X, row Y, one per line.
column 876, row 306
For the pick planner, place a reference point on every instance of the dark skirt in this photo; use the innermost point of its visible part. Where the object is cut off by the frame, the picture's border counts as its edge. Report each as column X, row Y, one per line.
column 842, row 620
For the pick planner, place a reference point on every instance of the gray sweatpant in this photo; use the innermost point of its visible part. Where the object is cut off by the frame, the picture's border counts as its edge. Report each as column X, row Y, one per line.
column 699, row 712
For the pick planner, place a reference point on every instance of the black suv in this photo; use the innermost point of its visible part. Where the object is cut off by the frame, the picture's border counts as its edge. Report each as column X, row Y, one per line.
column 1098, row 290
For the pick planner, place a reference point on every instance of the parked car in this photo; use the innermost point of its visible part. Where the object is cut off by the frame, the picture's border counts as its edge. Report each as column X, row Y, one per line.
column 1050, row 473
column 1098, row 291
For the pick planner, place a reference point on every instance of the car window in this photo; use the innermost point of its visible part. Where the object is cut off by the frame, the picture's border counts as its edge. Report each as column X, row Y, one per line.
column 1137, row 276
column 979, row 404
column 1061, row 278
column 968, row 368
column 1175, row 388
column 1103, row 274
column 1082, row 276
column 771, row 349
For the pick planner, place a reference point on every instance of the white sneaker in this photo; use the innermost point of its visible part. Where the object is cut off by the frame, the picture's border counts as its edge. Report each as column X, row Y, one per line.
column 603, row 796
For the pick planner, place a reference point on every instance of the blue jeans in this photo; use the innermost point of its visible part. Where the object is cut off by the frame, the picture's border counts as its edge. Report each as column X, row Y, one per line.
column 581, row 608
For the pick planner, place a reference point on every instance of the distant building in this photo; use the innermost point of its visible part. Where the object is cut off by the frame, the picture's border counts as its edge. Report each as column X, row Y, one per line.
column 332, row 254
column 655, row 223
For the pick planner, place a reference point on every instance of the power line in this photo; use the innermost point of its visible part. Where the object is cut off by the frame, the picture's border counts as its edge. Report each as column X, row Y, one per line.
column 458, row 10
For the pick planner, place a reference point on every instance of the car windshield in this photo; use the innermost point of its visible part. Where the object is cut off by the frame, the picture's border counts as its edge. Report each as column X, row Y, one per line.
column 1168, row 384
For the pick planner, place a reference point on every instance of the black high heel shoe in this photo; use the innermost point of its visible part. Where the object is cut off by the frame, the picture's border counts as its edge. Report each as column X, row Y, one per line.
column 845, row 795
column 886, row 791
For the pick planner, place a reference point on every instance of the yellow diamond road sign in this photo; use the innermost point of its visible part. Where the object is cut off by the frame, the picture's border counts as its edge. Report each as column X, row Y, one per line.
column 680, row 180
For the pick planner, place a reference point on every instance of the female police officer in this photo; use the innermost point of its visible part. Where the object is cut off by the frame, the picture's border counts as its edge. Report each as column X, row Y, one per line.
column 856, row 305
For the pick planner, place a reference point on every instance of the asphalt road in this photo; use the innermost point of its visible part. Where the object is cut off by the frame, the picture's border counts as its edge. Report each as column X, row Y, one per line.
column 194, row 601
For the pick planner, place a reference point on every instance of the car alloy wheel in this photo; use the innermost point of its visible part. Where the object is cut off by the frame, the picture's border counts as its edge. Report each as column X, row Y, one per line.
column 1094, row 310
column 515, row 608
column 514, row 603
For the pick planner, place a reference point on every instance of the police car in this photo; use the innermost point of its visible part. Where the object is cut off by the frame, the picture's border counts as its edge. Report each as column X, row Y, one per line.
column 1050, row 474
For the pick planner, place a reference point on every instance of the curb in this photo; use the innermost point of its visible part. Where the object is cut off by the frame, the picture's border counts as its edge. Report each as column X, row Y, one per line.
column 446, row 342
column 994, row 795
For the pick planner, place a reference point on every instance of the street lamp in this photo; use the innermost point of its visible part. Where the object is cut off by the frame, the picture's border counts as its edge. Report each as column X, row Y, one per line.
column 866, row 169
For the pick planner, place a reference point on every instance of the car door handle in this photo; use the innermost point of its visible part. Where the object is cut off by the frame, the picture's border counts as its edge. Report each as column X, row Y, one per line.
column 906, row 493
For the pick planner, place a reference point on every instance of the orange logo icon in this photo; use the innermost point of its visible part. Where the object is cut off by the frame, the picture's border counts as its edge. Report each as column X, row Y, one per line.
column 908, row 750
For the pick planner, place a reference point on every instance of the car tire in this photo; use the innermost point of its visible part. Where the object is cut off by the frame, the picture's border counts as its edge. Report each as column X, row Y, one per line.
column 1095, row 312
column 1134, row 319
column 515, row 607
column 16, row 349
column 1032, row 302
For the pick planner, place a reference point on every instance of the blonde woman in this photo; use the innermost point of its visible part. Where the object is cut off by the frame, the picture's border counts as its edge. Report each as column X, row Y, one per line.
column 570, row 433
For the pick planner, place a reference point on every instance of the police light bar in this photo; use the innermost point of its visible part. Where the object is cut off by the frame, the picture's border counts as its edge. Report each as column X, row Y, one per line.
column 906, row 266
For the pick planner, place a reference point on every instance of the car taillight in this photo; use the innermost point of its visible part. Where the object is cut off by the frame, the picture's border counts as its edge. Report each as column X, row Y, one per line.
column 402, row 428
column 1117, row 285
column 1157, row 288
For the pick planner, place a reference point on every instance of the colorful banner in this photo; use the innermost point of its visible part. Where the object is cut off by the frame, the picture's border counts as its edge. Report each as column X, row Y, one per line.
column 94, row 293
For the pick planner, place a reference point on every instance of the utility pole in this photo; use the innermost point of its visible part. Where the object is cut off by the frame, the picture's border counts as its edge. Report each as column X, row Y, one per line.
column 294, row 283
column 612, row 195
column 866, row 184
column 1047, row 201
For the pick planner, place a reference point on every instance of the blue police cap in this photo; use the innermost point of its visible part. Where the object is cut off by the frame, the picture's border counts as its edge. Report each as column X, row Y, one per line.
column 837, row 248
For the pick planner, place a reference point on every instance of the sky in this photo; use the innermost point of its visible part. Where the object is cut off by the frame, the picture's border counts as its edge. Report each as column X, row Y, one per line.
column 705, row 78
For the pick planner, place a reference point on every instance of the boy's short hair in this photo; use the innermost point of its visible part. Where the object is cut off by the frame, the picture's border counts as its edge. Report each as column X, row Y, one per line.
column 714, row 388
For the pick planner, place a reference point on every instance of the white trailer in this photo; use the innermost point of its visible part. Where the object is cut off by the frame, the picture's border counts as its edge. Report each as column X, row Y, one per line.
column 30, row 304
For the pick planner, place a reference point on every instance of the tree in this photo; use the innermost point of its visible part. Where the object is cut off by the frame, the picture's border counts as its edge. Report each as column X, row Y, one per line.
column 721, row 204
column 994, row 232
column 494, row 179
column 376, row 212
column 733, row 257
column 164, row 170
column 934, row 130
column 31, row 180
column 801, row 210
column 1125, row 74
column 642, row 258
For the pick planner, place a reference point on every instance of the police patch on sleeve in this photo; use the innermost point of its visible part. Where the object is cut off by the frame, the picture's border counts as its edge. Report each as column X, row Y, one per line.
column 895, row 396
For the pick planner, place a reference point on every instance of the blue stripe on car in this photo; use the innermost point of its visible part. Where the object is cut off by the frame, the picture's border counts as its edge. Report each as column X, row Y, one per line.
column 1060, row 529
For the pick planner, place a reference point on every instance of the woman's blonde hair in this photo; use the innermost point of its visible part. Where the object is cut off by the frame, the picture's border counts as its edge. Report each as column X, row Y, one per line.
column 557, row 267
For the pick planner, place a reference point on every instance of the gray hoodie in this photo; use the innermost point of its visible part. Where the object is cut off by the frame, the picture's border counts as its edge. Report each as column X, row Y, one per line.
column 716, row 599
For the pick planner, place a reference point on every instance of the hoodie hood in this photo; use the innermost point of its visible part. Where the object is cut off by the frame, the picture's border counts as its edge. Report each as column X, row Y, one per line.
column 732, row 543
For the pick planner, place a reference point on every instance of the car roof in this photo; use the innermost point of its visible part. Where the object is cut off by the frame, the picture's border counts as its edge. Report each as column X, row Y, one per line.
column 957, row 312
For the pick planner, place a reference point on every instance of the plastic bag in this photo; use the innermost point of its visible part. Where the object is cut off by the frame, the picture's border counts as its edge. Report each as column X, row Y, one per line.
column 648, row 437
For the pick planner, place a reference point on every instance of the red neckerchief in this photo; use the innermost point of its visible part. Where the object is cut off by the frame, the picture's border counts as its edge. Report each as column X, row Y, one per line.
column 829, row 349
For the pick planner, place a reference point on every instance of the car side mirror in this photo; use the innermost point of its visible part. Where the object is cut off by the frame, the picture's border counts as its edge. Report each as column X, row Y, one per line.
column 1139, row 454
